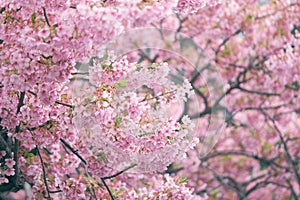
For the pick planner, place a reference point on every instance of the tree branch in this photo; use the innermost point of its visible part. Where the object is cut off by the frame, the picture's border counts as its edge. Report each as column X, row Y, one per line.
column 107, row 188
column 121, row 172
column 45, row 15
column 66, row 144
column 44, row 172
column 57, row 102
column 113, row 176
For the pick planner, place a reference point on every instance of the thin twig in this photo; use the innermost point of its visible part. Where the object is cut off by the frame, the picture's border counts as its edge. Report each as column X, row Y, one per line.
column 21, row 101
column 17, row 142
column 270, row 161
column 44, row 172
column 57, row 102
column 4, row 143
column 65, row 104
column 286, row 149
column 227, row 39
column 257, row 92
column 45, row 15
column 73, row 150
column 145, row 99
column 120, row 172
column 113, row 176
column 107, row 188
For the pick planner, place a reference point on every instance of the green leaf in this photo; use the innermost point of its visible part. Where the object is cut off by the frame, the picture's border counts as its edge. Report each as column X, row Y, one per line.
column 33, row 17
column 118, row 121
column 226, row 51
column 227, row 157
column 265, row 147
column 119, row 191
column 102, row 99
column 249, row 17
column 183, row 180
column 89, row 99
column 121, row 84
column 30, row 155
column 13, row 71
column 280, row 31
column 111, row 189
column 63, row 96
column 214, row 193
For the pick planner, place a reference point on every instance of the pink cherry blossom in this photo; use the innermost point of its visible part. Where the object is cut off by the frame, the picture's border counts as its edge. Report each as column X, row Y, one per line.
column 207, row 108
column 10, row 163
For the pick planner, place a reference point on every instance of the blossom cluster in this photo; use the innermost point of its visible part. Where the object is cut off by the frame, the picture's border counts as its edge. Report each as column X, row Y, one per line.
column 6, row 167
column 70, row 120
column 186, row 6
column 127, row 110
column 164, row 187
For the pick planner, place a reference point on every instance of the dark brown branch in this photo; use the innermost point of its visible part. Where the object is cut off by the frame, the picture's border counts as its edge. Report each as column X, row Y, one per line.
column 144, row 55
column 2, row 10
column 45, row 15
column 44, row 173
column 107, row 188
column 199, row 93
column 195, row 76
column 287, row 154
column 17, row 142
column 15, row 179
column 21, row 102
column 260, row 108
column 256, row 92
column 246, row 154
column 66, row 144
column 57, row 191
column 57, row 102
column 227, row 39
column 292, row 139
column 65, row 104
column 79, row 73
column 201, row 114
column 198, row 72
column 230, row 183
column 293, row 192
column 113, row 176
column 258, row 185
column 120, row 172
column 4, row 144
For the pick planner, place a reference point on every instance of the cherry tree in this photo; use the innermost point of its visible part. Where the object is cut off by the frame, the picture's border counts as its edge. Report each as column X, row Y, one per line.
column 126, row 99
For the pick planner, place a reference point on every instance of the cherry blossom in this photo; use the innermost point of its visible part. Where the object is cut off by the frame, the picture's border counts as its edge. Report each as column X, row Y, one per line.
column 77, row 122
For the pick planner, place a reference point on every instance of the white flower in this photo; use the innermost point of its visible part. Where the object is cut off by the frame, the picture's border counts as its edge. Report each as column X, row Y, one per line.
column 188, row 122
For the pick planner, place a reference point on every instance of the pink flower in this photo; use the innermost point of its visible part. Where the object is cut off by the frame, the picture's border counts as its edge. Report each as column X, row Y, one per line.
column 9, row 172
column 2, row 154
column 44, row 33
column 10, row 162
column 3, row 180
